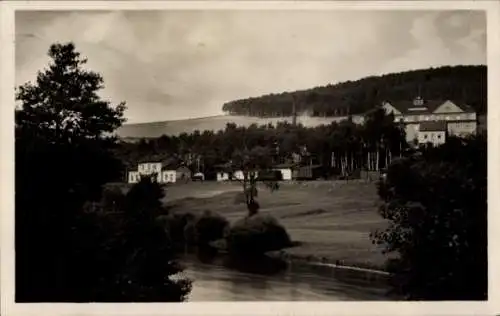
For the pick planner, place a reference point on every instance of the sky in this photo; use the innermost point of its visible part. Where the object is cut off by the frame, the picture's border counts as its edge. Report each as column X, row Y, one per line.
column 169, row 65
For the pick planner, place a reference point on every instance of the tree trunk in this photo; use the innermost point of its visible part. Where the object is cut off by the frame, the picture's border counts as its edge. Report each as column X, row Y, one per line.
column 352, row 161
column 386, row 154
column 377, row 159
column 368, row 161
column 252, row 205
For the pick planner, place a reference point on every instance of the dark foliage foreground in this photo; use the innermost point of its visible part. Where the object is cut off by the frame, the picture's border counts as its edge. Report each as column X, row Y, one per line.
column 436, row 205
column 72, row 245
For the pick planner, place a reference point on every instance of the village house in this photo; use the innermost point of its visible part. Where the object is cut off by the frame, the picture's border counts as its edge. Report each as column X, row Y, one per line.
column 286, row 171
column 222, row 176
column 459, row 119
column 223, row 172
column 163, row 173
column 433, row 132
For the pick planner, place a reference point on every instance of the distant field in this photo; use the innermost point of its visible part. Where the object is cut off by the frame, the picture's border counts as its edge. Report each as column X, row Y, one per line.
column 331, row 220
column 214, row 123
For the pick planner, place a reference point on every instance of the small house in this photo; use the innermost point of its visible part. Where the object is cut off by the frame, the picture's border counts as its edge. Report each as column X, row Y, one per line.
column 222, row 176
column 222, row 172
column 238, row 175
column 286, row 171
column 199, row 176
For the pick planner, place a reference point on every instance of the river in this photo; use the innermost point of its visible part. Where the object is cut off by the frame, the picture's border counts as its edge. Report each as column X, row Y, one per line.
column 214, row 281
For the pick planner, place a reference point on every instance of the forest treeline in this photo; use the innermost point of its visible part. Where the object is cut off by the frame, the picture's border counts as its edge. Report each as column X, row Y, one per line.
column 341, row 147
column 466, row 84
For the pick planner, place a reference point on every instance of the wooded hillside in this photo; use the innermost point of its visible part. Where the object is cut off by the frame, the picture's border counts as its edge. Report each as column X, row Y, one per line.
column 466, row 84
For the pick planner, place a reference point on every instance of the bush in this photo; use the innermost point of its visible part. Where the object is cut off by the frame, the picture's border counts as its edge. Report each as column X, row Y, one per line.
column 209, row 227
column 256, row 235
column 188, row 229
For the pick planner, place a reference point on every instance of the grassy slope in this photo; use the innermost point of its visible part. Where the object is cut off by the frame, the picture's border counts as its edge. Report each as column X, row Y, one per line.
column 214, row 123
column 331, row 220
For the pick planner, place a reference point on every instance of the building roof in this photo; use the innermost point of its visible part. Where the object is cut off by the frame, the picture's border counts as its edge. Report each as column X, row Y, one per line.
column 433, row 126
column 223, row 166
column 311, row 166
column 426, row 106
column 285, row 166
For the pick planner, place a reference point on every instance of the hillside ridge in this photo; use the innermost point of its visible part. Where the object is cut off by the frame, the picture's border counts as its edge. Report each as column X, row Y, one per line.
column 332, row 102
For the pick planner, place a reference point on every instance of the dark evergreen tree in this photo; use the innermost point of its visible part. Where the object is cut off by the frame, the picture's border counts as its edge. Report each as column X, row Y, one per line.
column 63, row 157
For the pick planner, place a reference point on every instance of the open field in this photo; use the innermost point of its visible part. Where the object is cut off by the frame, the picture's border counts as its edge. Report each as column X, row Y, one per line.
column 331, row 220
column 216, row 123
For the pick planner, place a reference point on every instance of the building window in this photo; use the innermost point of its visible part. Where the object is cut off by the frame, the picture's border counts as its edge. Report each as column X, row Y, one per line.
column 439, row 136
column 425, row 136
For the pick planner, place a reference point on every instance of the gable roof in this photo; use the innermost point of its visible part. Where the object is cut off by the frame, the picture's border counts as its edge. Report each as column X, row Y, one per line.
column 408, row 107
column 223, row 166
column 284, row 166
column 433, row 126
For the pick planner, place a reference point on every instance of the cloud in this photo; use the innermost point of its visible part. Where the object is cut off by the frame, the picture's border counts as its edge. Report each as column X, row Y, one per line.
column 177, row 64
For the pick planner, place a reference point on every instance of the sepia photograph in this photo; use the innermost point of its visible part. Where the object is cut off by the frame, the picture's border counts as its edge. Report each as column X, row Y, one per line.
column 249, row 155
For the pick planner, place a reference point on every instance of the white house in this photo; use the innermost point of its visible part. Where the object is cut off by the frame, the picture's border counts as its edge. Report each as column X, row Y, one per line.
column 238, row 175
column 168, row 176
column 149, row 168
column 286, row 173
column 222, row 176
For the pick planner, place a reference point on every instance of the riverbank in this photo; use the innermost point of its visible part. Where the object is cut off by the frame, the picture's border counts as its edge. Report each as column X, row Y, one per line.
column 331, row 221
column 215, row 281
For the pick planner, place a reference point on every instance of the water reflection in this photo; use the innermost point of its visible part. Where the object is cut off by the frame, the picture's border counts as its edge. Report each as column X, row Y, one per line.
column 217, row 279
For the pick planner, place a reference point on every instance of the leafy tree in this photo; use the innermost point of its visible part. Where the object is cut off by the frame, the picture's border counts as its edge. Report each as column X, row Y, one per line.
column 252, row 163
column 435, row 203
column 63, row 157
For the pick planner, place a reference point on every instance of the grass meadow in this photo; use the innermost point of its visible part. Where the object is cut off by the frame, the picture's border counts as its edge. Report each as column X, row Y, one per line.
column 331, row 221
